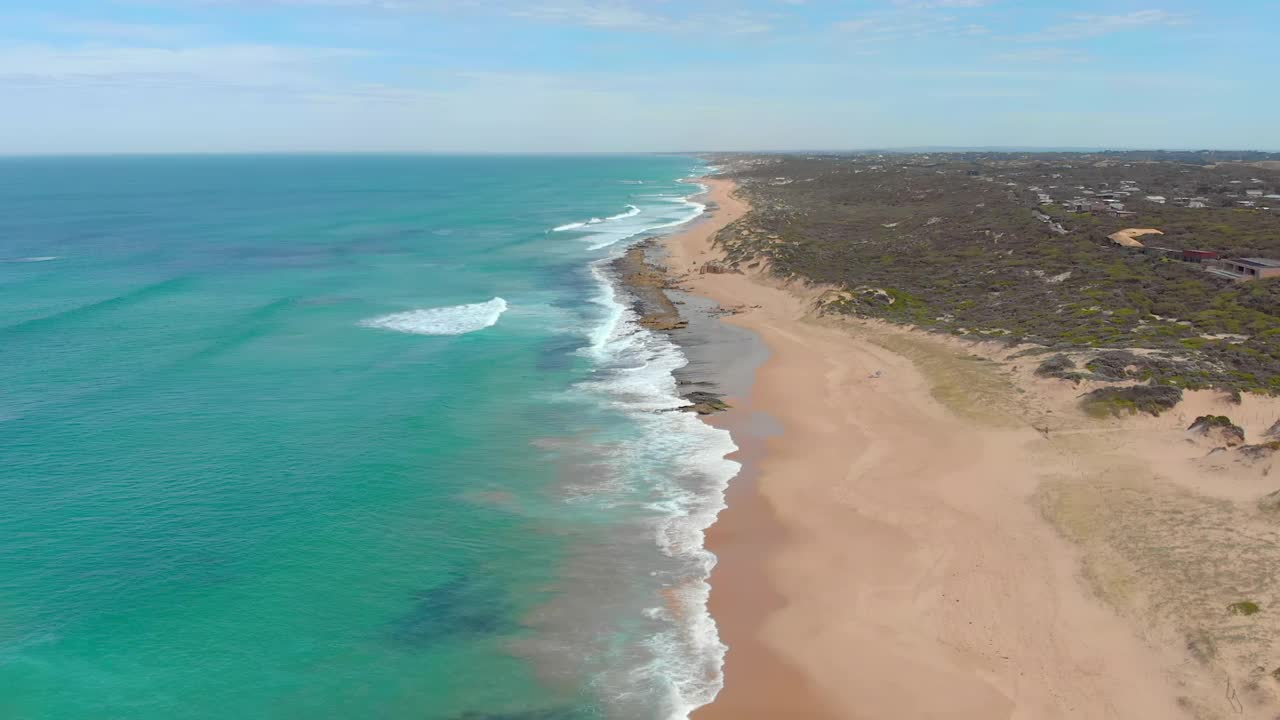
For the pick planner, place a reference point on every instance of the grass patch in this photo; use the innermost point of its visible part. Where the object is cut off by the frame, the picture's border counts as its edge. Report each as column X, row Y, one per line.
column 1244, row 607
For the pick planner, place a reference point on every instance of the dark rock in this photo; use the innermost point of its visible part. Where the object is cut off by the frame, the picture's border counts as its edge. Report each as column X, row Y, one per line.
column 705, row 403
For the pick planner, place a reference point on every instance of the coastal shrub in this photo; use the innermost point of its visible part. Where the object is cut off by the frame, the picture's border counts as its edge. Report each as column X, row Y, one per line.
column 1219, row 427
column 1244, row 607
column 1112, row 365
column 1058, row 366
column 1116, row 401
column 987, row 264
column 1260, row 451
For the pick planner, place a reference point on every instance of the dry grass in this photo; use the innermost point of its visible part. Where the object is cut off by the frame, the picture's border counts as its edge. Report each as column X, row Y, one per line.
column 1177, row 562
column 1173, row 561
column 971, row 386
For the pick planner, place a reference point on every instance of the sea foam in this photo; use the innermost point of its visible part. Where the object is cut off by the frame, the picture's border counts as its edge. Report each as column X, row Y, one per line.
column 455, row 320
column 603, row 239
column 42, row 258
column 631, row 211
column 682, row 463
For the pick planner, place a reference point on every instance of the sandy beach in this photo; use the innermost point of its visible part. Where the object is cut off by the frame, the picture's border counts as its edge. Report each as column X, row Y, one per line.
column 924, row 529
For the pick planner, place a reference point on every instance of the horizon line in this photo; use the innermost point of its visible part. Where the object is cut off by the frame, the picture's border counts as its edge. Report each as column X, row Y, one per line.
column 943, row 149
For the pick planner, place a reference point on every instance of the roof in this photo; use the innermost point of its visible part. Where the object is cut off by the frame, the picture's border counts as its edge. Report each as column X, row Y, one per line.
column 1258, row 262
column 1126, row 238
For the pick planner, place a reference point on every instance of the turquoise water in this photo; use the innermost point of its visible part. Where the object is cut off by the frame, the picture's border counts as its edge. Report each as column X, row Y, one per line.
column 344, row 437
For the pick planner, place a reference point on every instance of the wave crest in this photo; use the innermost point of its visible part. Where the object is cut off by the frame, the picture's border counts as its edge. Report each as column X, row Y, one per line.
column 455, row 320
column 631, row 211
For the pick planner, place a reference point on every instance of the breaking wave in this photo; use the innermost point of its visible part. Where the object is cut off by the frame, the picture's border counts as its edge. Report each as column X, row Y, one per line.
column 455, row 320
column 631, row 211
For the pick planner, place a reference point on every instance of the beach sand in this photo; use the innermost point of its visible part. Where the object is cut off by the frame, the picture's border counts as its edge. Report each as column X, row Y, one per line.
column 923, row 530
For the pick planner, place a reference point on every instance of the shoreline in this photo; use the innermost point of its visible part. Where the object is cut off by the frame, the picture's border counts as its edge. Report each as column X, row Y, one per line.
column 724, row 360
column 909, row 520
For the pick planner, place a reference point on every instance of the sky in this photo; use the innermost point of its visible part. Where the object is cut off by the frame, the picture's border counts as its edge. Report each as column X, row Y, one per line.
column 157, row 76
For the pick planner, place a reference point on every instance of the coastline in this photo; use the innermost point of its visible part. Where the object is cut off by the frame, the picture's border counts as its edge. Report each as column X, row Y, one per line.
column 897, row 547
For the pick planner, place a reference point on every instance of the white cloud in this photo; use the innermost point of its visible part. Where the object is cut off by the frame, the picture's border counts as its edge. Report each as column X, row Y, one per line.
column 934, row 4
column 1090, row 26
column 892, row 27
column 1041, row 56
column 152, row 34
column 228, row 66
column 630, row 16
column 611, row 15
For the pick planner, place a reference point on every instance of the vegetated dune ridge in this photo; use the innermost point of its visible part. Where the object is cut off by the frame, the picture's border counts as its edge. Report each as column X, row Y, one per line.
column 964, row 244
column 939, row 532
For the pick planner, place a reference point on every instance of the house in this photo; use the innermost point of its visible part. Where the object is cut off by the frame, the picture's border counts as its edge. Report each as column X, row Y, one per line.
column 1254, row 193
column 1157, row 199
column 1251, row 268
column 1198, row 256
column 1246, row 203
column 1197, row 203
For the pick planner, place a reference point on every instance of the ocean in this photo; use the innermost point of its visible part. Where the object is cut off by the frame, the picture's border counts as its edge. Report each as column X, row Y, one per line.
column 346, row 437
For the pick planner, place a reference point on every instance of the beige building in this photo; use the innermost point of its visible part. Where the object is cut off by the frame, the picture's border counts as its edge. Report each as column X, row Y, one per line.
column 1252, row 268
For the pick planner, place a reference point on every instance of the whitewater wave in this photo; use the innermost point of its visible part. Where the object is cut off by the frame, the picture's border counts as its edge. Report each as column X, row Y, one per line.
column 606, row 239
column 680, row 465
column 455, row 320
column 631, row 211
column 42, row 258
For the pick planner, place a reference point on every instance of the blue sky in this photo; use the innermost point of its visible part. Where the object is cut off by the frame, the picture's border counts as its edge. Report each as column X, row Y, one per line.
column 633, row 75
